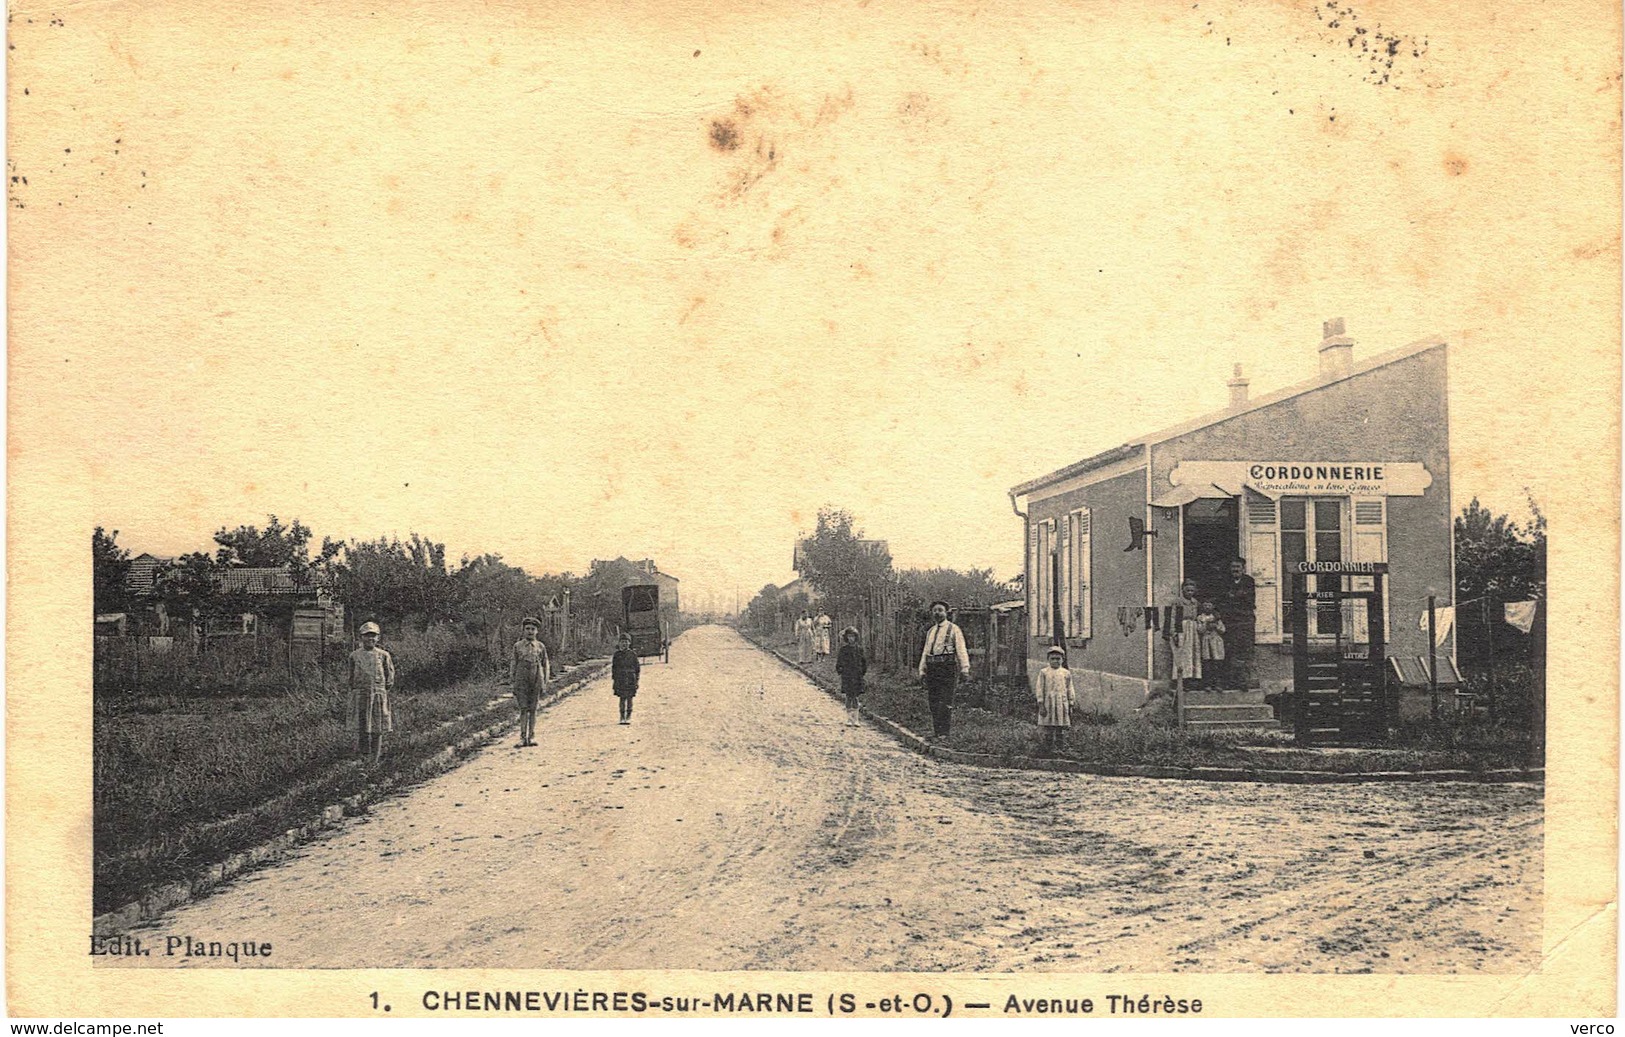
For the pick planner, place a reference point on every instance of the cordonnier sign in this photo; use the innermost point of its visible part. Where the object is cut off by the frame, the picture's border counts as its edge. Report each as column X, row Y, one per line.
column 1278, row 478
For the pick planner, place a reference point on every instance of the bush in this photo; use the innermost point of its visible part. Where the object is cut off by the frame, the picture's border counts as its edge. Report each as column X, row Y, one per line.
column 166, row 669
column 435, row 657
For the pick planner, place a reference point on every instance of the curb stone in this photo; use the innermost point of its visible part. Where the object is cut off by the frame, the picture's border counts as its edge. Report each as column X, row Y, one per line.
column 1254, row 774
column 156, row 902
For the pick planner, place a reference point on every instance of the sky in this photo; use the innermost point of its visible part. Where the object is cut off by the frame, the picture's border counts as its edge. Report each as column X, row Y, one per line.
column 564, row 284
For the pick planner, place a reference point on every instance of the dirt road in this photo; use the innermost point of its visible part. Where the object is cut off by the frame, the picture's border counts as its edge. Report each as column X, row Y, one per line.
column 739, row 824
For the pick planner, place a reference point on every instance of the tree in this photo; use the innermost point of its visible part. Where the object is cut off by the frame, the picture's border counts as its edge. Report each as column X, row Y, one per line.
column 190, row 586
column 394, row 579
column 109, row 568
column 490, row 591
column 840, row 565
column 1498, row 556
column 275, row 546
column 975, row 587
column 762, row 611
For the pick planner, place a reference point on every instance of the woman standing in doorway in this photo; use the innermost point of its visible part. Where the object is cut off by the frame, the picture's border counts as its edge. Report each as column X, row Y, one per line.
column 1180, row 627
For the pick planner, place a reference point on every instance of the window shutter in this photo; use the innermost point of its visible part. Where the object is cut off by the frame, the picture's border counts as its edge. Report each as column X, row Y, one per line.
column 1083, row 569
column 1044, row 583
column 1263, row 542
column 1035, row 565
column 1370, row 544
column 1065, row 553
column 1049, row 579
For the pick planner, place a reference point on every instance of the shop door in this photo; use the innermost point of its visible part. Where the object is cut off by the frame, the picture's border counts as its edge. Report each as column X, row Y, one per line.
column 1339, row 681
column 1212, row 540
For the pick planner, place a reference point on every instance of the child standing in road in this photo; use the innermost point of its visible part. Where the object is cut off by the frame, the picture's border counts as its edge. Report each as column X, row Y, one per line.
column 1056, row 699
column 372, row 678
column 527, row 671
column 851, row 665
column 624, row 669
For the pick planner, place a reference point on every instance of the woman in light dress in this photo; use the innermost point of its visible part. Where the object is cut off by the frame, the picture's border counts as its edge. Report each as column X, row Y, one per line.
column 823, row 626
column 804, row 639
column 1184, row 635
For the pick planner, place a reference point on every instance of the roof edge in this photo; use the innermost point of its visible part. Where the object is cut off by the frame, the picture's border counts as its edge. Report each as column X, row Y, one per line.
column 1088, row 464
column 1320, row 381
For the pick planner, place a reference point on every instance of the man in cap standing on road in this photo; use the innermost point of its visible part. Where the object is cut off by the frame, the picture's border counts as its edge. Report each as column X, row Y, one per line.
column 943, row 661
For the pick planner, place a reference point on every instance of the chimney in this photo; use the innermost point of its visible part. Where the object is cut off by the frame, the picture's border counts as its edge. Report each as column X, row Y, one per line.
column 1238, row 390
column 1336, row 349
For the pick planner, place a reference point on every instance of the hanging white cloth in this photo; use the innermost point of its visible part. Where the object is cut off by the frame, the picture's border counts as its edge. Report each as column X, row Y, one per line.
column 1444, row 618
column 1521, row 614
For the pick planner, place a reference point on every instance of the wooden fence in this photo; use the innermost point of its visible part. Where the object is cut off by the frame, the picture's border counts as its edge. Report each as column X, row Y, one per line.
column 892, row 635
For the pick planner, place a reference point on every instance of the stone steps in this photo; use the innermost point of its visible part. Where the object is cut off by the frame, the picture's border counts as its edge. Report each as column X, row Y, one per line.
column 1249, row 697
column 1231, row 716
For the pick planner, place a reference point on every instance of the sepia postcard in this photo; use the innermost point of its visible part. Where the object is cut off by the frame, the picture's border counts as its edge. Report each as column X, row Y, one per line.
column 876, row 509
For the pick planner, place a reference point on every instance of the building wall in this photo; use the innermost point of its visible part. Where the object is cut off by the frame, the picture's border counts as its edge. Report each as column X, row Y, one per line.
column 1109, row 666
column 1395, row 413
column 669, row 588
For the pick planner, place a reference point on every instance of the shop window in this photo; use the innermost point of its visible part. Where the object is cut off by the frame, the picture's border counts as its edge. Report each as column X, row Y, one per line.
column 1312, row 531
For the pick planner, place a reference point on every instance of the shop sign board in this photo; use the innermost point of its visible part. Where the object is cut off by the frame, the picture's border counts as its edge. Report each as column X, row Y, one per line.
column 1285, row 477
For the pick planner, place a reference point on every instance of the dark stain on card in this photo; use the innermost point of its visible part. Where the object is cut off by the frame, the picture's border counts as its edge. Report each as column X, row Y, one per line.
column 724, row 135
column 1385, row 58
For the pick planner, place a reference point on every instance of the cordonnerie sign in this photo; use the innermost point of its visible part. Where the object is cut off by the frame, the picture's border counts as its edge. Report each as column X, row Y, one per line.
column 1277, row 478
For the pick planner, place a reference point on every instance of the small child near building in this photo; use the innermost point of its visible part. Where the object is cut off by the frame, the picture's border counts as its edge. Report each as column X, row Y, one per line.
column 851, row 665
column 624, row 669
column 1056, row 699
column 1210, row 642
column 372, row 678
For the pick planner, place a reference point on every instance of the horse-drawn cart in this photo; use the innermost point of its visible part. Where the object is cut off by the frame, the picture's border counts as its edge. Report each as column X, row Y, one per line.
column 640, row 604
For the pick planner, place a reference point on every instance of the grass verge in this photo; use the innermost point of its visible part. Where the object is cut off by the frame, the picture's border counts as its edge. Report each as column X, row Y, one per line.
column 1008, row 730
column 181, row 783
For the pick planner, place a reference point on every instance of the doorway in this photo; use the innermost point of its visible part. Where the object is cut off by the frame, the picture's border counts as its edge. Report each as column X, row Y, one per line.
column 1212, row 540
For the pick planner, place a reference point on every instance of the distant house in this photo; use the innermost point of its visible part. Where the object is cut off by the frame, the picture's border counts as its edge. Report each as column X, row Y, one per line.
column 278, row 582
column 667, row 583
column 794, row 596
column 251, row 601
column 141, row 578
column 273, row 601
column 608, row 577
column 147, row 615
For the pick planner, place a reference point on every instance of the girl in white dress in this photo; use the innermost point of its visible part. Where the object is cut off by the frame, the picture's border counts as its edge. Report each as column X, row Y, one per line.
column 1056, row 699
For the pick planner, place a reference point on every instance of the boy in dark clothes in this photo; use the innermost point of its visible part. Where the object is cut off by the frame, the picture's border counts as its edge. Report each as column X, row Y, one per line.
column 624, row 669
column 851, row 665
